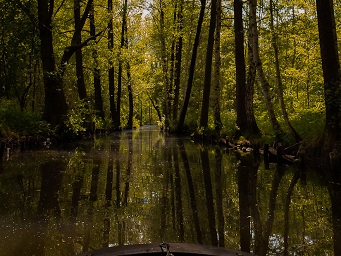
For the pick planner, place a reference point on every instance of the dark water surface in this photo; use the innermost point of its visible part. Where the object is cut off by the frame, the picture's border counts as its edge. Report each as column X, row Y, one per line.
column 146, row 187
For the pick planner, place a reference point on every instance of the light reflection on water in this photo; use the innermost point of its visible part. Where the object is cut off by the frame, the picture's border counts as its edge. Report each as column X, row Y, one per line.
column 146, row 187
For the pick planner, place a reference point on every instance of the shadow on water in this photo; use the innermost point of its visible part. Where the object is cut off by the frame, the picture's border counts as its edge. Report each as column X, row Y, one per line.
column 143, row 186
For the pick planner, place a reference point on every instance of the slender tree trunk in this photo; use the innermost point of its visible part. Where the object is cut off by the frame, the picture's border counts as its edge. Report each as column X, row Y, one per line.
column 129, row 82
column 111, row 72
column 130, row 98
column 55, row 102
column 240, row 66
column 265, row 84
column 192, row 67
column 208, row 67
column 331, row 69
column 178, row 63
column 79, row 55
column 274, row 39
column 117, row 123
column 97, row 73
column 252, row 127
column 216, row 88
column 167, row 83
column 156, row 107
column 35, row 82
column 172, row 75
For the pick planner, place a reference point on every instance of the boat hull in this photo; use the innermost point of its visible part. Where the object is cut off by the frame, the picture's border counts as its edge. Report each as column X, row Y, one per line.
column 176, row 249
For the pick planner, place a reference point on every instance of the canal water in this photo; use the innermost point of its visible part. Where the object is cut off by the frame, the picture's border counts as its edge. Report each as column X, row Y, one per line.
column 144, row 186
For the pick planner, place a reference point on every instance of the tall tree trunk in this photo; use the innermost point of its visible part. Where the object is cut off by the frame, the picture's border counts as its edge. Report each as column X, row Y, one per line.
column 79, row 55
column 55, row 103
column 192, row 67
column 240, row 66
column 178, row 62
column 216, row 88
column 274, row 39
column 167, row 84
column 117, row 123
column 265, row 84
column 331, row 69
column 97, row 73
column 111, row 72
column 172, row 71
column 129, row 82
column 130, row 98
column 208, row 67
column 252, row 126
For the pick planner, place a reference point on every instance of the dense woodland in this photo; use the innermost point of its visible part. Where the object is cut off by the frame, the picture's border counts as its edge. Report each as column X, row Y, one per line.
column 267, row 68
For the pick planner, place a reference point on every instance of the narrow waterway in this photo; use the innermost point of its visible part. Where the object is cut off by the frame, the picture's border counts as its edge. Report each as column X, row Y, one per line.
column 143, row 186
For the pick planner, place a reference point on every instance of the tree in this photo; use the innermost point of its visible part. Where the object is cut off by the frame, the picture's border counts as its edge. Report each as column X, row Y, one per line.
column 259, row 67
column 274, row 40
column 217, row 76
column 19, row 51
column 331, row 70
column 244, row 84
column 192, row 67
column 117, row 122
column 178, row 60
column 240, row 66
column 55, row 101
column 252, row 127
column 111, row 72
column 208, row 67
column 79, row 55
column 96, row 73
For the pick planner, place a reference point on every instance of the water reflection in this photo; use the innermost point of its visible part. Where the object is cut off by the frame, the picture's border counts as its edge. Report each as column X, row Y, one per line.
column 144, row 186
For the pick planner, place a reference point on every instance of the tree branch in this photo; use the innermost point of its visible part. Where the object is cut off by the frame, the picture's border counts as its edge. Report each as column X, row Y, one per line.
column 70, row 50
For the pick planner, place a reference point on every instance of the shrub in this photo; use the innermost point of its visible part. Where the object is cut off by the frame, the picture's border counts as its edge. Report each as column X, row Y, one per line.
column 15, row 121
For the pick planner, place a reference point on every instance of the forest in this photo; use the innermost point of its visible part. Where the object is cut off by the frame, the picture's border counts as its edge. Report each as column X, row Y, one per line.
column 261, row 71
column 266, row 69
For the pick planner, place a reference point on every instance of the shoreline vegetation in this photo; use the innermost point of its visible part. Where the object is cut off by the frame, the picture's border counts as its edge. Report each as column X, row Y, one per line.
column 22, row 131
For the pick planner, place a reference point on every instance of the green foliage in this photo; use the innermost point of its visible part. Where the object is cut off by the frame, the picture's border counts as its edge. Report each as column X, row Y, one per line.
column 13, row 121
column 229, row 123
column 309, row 123
column 82, row 117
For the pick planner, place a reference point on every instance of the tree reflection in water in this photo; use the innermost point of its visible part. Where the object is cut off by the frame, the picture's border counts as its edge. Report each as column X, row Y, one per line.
column 147, row 187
